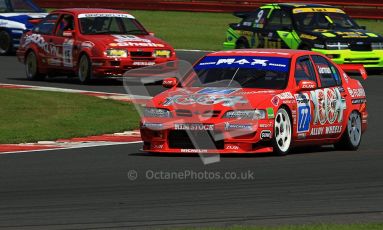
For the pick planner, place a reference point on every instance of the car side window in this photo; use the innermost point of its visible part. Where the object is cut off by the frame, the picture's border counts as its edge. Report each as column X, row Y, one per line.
column 65, row 23
column 256, row 19
column 3, row 7
column 328, row 73
column 304, row 70
column 47, row 26
column 278, row 20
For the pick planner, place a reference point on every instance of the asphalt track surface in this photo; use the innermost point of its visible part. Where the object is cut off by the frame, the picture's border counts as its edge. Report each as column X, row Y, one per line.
column 93, row 188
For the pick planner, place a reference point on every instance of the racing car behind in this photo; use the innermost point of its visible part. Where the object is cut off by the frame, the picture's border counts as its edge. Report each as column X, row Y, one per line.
column 90, row 43
column 16, row 17
column 321, row 28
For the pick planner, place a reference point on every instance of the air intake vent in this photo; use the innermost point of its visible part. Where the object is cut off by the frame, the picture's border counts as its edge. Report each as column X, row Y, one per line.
column 184, row 113
column 211, row 113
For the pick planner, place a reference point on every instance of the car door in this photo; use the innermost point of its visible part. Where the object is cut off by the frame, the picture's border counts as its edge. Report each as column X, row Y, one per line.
column 42, row 37
column 63, row 40
column 328, row 100
column 304, row 70
column 278, row 31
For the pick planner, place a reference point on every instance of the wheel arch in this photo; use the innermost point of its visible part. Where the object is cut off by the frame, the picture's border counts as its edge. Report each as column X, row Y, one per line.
column 80, row 54
column 243, row 40
column 289, row 112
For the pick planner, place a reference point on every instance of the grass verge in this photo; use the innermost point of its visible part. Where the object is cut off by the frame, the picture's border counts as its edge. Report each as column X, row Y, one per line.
column 193, row 30
column 302, row 227
column 29, row 116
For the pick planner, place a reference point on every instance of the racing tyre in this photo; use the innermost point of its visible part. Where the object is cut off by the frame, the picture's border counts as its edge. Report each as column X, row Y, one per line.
column 31, row 67
column 84, row 69
column 241, row 44
column 5, row 43
column 352, row 136
column 282, row 132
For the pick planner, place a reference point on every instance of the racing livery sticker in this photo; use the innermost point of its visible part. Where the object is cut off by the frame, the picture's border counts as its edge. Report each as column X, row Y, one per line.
column 212, row 91
column 229, row 126
column 205, row 100
column 68, row 53
column 266, row 134
column 262, row 63
column 270, row 113
column 328, row 105
column 103, row 15
column 304, row 112
column 196, row 126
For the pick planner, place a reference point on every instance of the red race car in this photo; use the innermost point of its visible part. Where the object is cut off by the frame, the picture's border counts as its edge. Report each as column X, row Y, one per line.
column 89, row 43
column 253, row 101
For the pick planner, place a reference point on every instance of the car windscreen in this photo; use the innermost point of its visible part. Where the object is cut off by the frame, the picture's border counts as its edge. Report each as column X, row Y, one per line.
column 242, row 71
column 110, row 23
column 324, row 20
column 23, row 6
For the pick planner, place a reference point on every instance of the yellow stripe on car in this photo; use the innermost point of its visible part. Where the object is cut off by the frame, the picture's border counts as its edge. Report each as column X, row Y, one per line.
column 308, row 10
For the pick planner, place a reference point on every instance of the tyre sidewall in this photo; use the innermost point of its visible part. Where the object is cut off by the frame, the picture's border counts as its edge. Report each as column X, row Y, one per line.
column 10, row 45
column 86, row 79
column 276, row 147
column 35, row 75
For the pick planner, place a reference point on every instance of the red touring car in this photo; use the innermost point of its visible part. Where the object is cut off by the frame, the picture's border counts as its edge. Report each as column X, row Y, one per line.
column 89, row 43
column 251, row 101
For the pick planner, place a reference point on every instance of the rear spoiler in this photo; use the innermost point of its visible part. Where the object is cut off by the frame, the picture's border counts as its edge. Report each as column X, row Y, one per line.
column 352, row 68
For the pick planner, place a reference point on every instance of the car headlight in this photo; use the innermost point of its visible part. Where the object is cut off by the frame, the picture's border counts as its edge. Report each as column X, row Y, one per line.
column 377, row 45
column 155, row 112
column 336, row 45
column 162, row 53
column 116, row 53
column 246, row 114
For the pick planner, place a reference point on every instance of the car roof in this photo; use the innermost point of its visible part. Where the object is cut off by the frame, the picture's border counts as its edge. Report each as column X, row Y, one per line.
column 77, row 11
column 286, row 53
column 300, row 5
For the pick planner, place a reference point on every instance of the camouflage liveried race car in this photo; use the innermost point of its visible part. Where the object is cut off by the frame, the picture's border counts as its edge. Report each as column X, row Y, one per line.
column 322, row 28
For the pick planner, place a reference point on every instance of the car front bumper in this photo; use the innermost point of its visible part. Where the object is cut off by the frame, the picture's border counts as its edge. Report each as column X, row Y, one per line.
column 370, row 59
column 166, row 138
column 116, row 67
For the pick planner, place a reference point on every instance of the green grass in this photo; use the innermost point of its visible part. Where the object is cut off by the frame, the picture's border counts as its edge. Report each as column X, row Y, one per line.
column 29, row 116
column 187, row 30
column 206, row 31
column 302, row 227
column 191, row 30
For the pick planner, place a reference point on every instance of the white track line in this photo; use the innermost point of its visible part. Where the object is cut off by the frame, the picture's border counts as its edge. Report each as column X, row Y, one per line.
column 74, row 147
column 64, row 90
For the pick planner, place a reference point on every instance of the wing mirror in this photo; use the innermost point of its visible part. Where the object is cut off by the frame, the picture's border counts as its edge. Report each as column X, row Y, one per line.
column 305, row 85
column 68, row 33
column 169, row 82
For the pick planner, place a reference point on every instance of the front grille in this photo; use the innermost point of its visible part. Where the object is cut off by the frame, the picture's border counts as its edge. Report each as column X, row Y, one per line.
column 179, row 139
column 360, row 47
column 140, row 54
column 114, row 63
column 184, row 113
